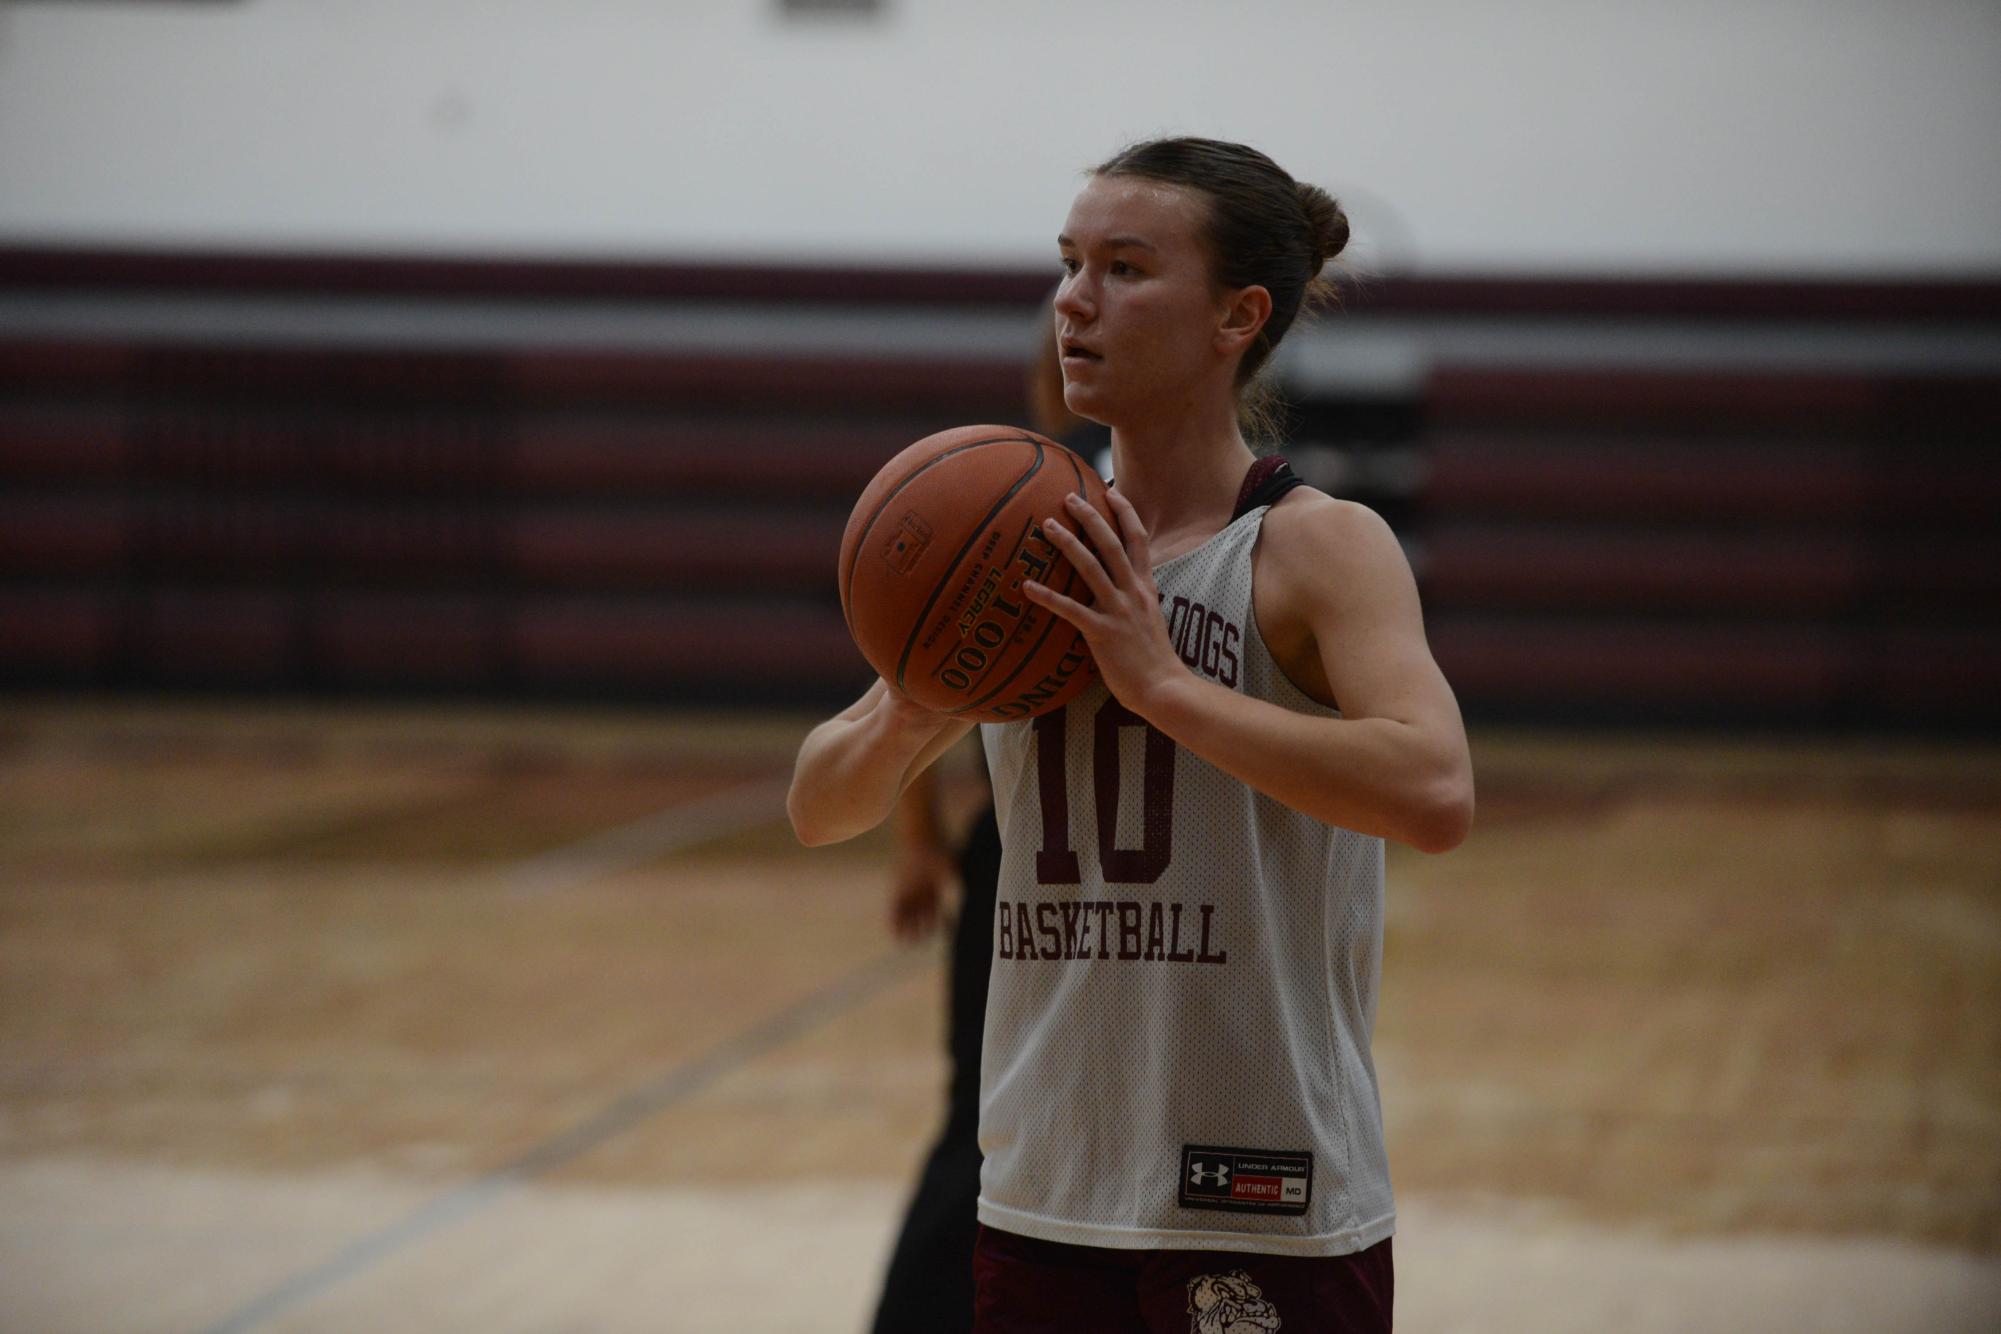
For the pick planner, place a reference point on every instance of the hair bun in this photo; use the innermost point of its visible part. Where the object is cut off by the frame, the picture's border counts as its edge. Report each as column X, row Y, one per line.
column 1325, row 221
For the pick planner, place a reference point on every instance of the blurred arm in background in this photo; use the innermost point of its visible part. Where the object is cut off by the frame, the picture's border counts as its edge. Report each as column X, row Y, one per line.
column 924, row 860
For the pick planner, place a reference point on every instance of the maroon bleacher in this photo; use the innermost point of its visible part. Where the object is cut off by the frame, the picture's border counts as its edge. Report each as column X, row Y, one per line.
column 1802, row 547
column 1814, row 545
column 548, row 522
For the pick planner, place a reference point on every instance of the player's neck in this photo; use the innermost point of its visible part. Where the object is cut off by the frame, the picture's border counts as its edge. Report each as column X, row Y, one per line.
column 1182, row 472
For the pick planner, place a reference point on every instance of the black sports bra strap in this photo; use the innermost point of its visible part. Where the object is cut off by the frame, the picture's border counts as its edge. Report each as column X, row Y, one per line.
column 1269, row 478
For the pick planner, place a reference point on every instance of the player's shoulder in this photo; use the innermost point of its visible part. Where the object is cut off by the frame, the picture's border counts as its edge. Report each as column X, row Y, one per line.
column 1312, row 530
column 1324, row 559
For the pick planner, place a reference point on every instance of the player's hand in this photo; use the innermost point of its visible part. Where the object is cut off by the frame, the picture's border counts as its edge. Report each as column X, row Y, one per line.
column 916, row 893
column 900, row 711
column 1123, row 624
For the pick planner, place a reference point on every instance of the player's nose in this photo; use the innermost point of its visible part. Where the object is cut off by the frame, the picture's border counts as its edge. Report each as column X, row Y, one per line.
column 1076, row 301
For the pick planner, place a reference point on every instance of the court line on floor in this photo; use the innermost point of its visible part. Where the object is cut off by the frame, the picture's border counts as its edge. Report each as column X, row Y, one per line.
column 729, row 811
column 829, row 1002
column 628, row 845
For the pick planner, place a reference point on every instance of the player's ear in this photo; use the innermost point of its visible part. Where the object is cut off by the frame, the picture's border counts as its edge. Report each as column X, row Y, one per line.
column 1245, row 311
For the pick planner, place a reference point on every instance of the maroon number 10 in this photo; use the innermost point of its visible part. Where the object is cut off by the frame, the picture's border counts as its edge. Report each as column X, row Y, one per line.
column 1056, row 862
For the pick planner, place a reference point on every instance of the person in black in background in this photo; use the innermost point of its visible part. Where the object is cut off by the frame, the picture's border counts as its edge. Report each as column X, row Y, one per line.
column 929, row 1286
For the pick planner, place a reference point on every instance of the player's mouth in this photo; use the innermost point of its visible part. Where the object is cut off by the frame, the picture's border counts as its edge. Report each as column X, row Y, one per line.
column 1078, row 354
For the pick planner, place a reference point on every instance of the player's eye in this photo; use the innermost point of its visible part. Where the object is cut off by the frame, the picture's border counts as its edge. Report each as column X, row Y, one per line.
column 1122, row 269
column 1069, row 265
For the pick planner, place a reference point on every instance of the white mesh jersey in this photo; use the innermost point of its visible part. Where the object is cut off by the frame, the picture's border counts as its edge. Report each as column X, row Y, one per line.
column 1184, row 981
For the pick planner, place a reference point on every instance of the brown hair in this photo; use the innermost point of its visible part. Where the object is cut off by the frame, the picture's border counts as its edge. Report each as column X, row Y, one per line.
column 1265, row 229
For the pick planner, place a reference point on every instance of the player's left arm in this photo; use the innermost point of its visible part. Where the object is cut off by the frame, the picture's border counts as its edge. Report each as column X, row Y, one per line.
column 1395, row 763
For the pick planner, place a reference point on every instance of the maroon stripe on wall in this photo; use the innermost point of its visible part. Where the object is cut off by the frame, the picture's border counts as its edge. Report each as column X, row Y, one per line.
column 417, row 275
column 1706, row 402
column 1692, row 296
column 1975, row 297
column 526, row 377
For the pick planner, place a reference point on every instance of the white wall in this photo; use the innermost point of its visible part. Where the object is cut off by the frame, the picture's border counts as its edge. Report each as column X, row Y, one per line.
column 1847, row 136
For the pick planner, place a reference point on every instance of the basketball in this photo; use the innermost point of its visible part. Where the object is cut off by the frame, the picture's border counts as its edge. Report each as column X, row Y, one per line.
column 932, row 565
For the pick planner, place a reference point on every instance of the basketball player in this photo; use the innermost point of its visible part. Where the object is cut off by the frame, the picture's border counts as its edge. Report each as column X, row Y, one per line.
column 1178, row 1108
column 928, row 1288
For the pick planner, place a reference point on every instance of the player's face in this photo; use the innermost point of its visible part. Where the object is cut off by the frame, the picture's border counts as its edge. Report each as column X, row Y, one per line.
column 1137, row 311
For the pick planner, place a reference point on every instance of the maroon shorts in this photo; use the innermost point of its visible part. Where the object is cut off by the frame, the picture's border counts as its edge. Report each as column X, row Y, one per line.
column 1025, row 1286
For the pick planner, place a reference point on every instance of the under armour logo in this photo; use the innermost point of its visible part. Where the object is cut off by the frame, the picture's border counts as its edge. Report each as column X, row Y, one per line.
column 1201, row 1174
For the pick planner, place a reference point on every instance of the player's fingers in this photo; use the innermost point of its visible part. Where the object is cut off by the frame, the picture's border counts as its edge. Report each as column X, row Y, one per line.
column 1137, row 548
column 1086, row 562
column 1111, row 550
column 1069, row 609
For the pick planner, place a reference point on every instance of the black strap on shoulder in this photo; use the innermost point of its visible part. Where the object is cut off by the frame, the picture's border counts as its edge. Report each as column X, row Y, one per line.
column 1269, row 478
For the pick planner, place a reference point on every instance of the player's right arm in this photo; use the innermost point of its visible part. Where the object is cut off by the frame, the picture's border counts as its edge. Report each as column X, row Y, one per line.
column 852, row 768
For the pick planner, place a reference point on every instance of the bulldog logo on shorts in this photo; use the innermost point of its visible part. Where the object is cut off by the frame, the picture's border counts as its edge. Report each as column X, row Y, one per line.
column 1229, row 1304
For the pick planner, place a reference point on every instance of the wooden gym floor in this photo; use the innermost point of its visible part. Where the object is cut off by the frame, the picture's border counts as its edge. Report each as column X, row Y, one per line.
column 333, row 1019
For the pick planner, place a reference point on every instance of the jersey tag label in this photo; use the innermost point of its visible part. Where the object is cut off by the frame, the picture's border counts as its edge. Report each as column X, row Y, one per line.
column 1245, row 1181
